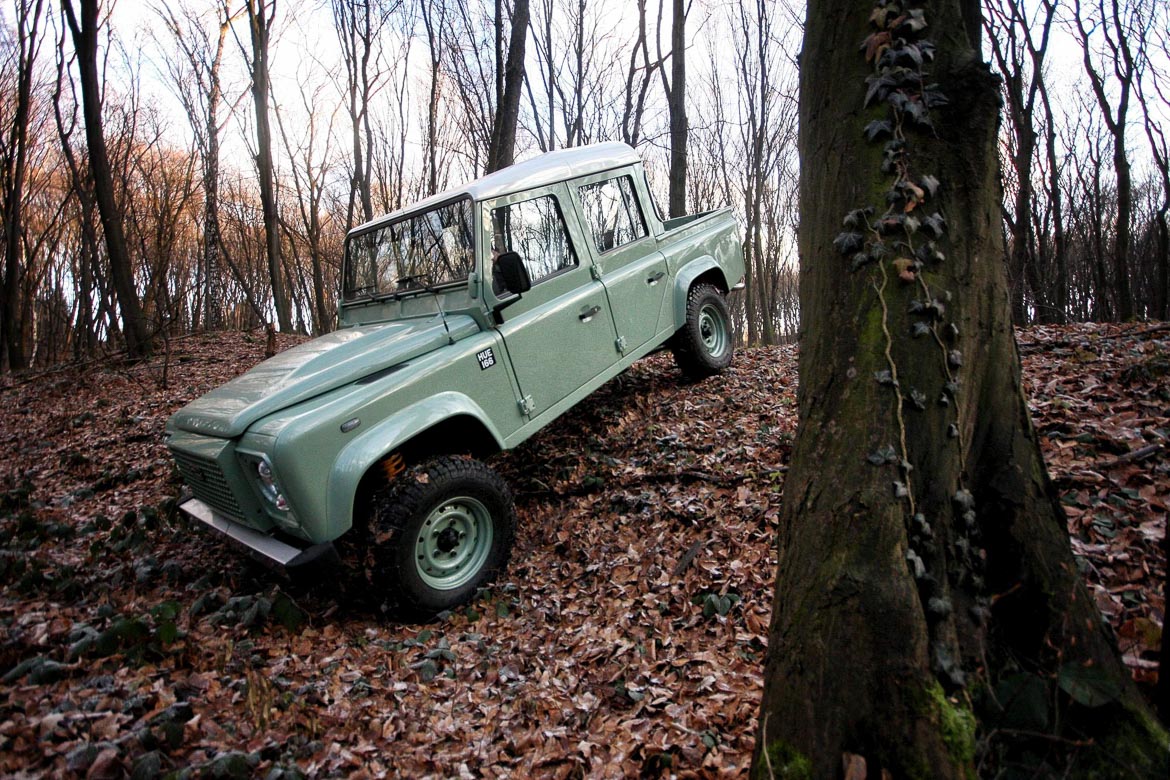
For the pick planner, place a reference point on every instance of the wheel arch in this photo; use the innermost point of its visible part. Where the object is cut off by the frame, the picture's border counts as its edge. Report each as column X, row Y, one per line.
column 447, row 423
column 704, row 270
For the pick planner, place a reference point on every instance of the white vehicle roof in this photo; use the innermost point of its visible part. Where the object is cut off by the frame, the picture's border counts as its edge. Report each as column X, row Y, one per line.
column 539, row 171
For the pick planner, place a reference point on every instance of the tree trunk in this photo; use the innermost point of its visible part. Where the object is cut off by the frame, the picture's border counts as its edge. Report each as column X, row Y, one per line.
column 260, row 16
column 135, row 328
column 15, row 163
column 676, row 103
column 924, row 562
column 502, row 150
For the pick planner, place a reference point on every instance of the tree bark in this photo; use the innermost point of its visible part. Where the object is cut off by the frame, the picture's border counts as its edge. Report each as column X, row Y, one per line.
column 924, row 561
column 85, row 34
column 502, row 150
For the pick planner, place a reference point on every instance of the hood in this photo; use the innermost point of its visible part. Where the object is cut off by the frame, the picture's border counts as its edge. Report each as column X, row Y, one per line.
column 315, row 367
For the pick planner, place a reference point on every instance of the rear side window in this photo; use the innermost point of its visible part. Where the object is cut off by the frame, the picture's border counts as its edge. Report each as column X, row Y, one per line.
column 611, row 209
column 535, row 229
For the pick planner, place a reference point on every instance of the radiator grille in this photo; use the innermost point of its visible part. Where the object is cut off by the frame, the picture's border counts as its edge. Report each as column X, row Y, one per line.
column 208, row 483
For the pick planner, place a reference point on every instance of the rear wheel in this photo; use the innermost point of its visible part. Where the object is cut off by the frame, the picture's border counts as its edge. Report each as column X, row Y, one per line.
column 704, row 345
column 436, row 534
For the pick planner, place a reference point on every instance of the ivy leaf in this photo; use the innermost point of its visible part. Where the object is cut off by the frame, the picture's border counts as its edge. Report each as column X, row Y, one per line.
column 911, row 224
column 915, row 20
column 856, row 219
column 955, row 359
column 883, row 456
column 930, row 184
column 891, row 223
column 860, row 260
column 922, row 527
column 880, row 17
column 963, row 500
column 848, row 242
column 933, row 96
column 918, row 399
column 875, row 44
column 917, row 113
column 878, row 87
column 935, row 224
column 917, row 567
column 1089, row 686
column 919, row 330
column 900, row 489
column 885, row 377
column 926, row 48
column 878, row 128
column 906, row 269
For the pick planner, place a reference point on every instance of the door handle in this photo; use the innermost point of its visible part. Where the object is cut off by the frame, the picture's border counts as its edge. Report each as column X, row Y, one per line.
column 655, row 278
column 587, row 315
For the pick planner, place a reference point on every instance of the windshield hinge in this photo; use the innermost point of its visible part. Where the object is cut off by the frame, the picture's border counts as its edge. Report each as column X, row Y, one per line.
column 621, row 344
column 526, row 406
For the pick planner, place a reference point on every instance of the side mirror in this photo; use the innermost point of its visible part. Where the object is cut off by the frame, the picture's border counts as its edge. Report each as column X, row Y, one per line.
column 514, row 274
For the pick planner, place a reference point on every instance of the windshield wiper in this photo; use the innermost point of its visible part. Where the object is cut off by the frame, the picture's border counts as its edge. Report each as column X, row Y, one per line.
column 421, row 280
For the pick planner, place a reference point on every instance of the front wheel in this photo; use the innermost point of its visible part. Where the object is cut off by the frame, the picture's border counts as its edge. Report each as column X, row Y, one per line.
column 436, row 534
column 704, row 345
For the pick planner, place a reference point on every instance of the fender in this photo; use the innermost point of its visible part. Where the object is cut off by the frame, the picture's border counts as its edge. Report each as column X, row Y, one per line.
column 366, row 450
column 686, row 277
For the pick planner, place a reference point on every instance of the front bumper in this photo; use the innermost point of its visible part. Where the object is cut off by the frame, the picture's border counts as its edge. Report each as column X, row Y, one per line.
column 264, row 546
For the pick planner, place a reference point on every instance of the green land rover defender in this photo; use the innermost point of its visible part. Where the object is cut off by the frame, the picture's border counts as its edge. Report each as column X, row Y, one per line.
column 467, row 322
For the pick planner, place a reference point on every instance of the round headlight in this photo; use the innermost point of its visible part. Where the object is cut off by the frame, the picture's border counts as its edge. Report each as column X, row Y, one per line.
column 268, row 486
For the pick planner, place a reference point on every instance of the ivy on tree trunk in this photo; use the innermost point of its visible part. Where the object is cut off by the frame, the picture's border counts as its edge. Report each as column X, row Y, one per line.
column 929, row 615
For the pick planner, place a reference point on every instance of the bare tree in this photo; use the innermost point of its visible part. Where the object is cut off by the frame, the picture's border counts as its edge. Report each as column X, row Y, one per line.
column 20, row 59
column 360, row 25
column 1117, row 30
column 311, row 158
column 196, row 76
column 639, row 76
column 1019, row 42
column 261, row 16
column 502, row 148
column 676, row 101
column 84, row 29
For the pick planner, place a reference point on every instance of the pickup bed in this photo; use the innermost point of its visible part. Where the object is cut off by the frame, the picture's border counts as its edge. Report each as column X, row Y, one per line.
column 467, row 323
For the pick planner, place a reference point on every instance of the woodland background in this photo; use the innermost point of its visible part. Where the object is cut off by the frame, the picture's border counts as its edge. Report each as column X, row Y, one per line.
column 244, row 139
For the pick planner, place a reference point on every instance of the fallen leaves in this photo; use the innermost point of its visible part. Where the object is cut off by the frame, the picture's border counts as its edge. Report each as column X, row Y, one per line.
column 627, row 637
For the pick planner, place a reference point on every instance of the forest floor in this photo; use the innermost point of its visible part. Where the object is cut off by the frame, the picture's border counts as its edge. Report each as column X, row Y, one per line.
column 626, row 638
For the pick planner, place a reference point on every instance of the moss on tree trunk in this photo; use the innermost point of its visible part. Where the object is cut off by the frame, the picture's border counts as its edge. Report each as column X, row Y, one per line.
column 929, row 615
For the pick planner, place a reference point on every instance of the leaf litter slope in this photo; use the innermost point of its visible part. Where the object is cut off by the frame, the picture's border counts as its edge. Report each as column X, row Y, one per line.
column 626, row 638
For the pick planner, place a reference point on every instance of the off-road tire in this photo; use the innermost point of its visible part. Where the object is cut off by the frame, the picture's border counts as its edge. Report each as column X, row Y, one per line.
column 433, row 536
column 704, row 345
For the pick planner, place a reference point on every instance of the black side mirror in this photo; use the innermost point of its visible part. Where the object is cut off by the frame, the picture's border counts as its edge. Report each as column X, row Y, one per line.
column 511, row 269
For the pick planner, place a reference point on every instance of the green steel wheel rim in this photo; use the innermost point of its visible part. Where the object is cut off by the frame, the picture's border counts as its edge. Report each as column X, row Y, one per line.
column 453, row 543
column 713, row 330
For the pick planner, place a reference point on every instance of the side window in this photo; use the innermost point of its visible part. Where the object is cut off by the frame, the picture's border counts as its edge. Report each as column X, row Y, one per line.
column 611, row 209
column 535, row 229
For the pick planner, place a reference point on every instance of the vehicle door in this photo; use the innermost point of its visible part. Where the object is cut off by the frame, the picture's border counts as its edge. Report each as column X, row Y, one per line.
column 560, row 334
column 632, row 269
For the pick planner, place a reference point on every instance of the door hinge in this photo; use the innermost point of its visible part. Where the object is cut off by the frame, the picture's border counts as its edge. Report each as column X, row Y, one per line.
column 526, row 406
column 621, row 344
column 595, row 272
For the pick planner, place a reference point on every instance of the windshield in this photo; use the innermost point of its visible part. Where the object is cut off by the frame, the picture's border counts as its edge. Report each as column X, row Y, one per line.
column 427, row 248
